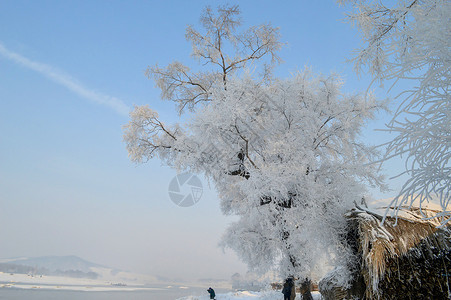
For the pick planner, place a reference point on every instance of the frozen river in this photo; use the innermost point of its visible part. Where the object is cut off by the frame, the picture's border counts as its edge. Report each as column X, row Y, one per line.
column 157, row 294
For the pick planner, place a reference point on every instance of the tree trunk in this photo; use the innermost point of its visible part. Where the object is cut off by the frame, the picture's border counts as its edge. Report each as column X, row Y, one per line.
column 306, row 287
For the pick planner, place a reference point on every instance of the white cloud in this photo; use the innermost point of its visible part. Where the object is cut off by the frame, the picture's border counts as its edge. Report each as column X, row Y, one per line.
column 67, row 81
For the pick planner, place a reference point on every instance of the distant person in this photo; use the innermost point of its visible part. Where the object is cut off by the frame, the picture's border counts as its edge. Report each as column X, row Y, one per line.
column 286, row 291
column 212, row 293
column 289, row 290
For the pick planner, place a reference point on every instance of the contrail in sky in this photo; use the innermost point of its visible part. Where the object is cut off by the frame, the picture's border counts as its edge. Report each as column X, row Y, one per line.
column 67, row 81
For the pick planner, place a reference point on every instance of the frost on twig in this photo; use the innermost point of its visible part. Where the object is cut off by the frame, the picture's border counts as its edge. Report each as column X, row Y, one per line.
column 411, row 40
column 223, row 50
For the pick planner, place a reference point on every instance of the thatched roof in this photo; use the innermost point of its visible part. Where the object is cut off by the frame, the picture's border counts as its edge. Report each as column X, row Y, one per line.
column 395, row 238
column 401, row 241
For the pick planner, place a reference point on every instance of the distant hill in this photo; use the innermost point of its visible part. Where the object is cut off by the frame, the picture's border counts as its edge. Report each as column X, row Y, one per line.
column 73, row 267
column 68, row 266
column 54, row 263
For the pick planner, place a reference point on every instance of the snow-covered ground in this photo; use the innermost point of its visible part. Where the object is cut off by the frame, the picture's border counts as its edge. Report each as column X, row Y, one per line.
column 267, row 295
column 23, row 281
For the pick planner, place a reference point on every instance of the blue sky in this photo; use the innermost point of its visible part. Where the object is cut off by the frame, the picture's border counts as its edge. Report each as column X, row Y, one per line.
column 68, row 72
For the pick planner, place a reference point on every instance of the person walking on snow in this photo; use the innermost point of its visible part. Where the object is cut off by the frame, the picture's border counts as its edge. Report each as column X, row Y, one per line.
column 212, row 293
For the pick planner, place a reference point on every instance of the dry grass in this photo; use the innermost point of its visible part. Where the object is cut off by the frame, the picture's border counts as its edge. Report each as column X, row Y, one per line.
column 379, row 243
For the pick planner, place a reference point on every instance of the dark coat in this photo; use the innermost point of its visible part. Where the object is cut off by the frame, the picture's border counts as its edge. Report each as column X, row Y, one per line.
column 212, row 293
column 286, row 291
column 289, row 289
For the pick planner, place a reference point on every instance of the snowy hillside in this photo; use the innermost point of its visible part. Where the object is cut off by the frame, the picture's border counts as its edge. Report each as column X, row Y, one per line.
column 67, row 271
column 54, row 263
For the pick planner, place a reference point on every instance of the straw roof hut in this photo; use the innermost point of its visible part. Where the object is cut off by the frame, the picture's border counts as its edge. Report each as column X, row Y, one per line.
column 405, row 258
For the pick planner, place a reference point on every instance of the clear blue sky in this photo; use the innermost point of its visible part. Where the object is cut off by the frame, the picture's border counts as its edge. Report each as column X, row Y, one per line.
column 66, row 184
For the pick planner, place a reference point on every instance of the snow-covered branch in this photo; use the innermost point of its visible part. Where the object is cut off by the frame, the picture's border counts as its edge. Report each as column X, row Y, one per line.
column 411, row 41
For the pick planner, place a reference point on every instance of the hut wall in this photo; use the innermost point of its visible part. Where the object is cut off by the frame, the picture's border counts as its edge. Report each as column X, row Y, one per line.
column 423, row 273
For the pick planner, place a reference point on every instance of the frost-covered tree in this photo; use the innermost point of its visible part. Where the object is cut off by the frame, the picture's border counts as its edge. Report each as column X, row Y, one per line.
column 284, row 155
column 411, row 40
column 211, row 48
